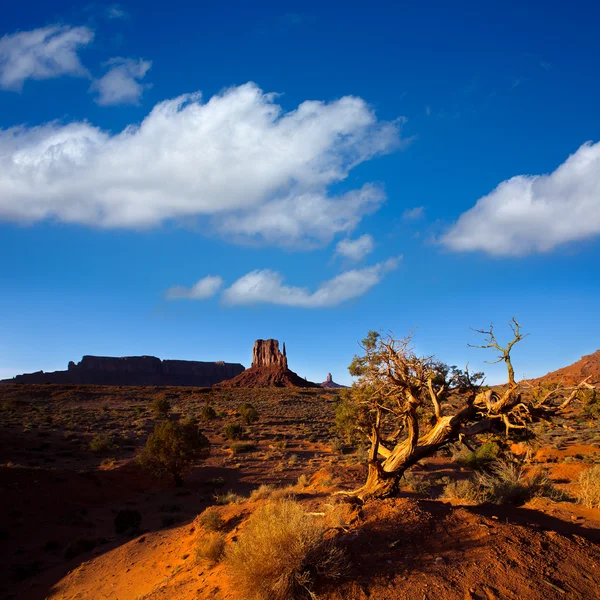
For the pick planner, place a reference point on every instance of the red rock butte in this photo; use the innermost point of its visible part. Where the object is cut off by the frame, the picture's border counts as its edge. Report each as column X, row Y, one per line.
column 269, row 369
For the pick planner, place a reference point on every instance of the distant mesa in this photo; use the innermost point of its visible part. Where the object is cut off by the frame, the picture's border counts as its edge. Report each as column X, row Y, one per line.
column 329, row 383
column 136, row 370
column 588, row 366
column 269, row 369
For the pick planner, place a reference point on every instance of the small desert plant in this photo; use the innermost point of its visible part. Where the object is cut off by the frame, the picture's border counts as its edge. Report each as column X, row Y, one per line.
column 207, row 413
column 261, row 493
column 589, row 487
column 128, row 519
column 479, row 458
column 210, row 547
column 173, row 448
column 248, row 414
column 161, row 407
column 233, row 431
column 211, row 519
column 241, row 447
column 416, row 483
column 591, row 400
column 101, row 443
column 280, row 551
column 465, row 489
column 347, row 420
column 229, row 498
column 507, row 483
column 302, row 481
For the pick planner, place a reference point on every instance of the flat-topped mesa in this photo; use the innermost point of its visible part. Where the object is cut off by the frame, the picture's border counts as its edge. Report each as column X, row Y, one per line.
column 266, row 354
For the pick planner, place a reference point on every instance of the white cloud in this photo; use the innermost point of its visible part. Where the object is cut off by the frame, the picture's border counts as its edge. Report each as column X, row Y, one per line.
column 120, row 85
column 355, row 249
column 535, row 213
column 266, row 287
column 205, row 288
column 312, row 216
column 258, row 171
column 116, row 11
column 43, row 53
column 413, row 214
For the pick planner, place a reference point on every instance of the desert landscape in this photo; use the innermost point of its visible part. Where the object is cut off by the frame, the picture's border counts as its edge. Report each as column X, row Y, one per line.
column 82, row 519
column 299, row 301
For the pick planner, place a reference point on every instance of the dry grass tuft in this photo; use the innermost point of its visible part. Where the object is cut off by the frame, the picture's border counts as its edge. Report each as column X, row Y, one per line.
column 210, row 547
column 589, row 487
column 280, row 553
column 211, row 519
column 506, row 483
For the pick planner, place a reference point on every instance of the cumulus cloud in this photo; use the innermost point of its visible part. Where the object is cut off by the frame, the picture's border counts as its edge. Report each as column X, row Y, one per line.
column 267, row 287
column 205, row 288
column 121, row 84
column 355, row 249
column 256, row 171
column 43, row 53
column 535, row 213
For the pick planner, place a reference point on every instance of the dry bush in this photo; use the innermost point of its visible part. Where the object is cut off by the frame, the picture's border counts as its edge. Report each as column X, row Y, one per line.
column 261, row 493
column 589, row 487
column 506, row 483
column 211, row 519
column 229, row 498
column 210, row 547
column 465, row 489
column 280, row 552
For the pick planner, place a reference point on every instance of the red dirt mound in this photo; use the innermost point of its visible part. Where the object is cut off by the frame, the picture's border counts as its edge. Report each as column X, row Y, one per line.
column 588, row 366
column 263, row 377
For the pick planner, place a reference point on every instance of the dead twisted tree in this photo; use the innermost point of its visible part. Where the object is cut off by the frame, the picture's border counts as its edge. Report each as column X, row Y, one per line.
column 409, row 407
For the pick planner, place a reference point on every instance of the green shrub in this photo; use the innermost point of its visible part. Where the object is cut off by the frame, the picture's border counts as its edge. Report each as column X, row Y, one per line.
column 128, row 519
column 280, row 552
column 207, row 413
column 233, row 431
column 161, row 407
column 478, row 459
column 346, row 420
column 101, row 443
column 173, row 448
column 248, row 414
column 589, row 487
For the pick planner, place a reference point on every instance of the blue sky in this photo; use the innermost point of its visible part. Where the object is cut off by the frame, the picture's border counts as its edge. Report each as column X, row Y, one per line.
column 385, row 166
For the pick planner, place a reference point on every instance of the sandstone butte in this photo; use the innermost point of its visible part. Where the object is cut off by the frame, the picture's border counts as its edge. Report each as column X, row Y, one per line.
column 269, row 369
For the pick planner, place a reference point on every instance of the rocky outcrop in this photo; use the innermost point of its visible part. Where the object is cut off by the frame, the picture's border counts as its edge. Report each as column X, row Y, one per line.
column 266, row 354
column 269, row 369
column 586, row 368
column 330, row 384
column 136, row 370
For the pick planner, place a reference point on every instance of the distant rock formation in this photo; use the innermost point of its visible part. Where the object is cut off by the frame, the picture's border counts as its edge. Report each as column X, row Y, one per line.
column 269, row 369
column 136, row 370
column 266, row 354
column 329, row 383
column 588, row 366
